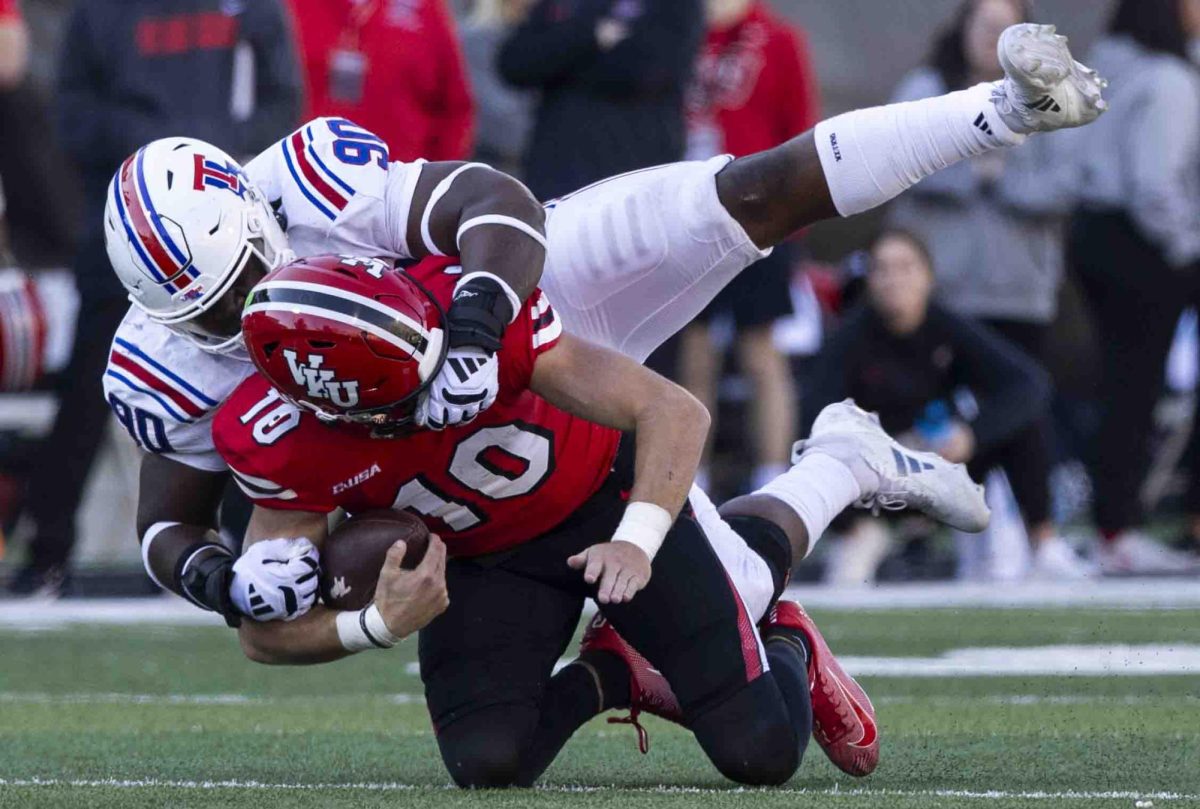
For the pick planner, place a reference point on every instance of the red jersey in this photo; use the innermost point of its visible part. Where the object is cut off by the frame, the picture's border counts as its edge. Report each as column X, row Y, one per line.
column 518, row 470
column 9, row 10
column 413, row 90
column 754, row 85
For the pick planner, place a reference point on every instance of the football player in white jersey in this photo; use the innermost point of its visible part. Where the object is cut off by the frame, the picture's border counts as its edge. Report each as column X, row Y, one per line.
column 628, row 261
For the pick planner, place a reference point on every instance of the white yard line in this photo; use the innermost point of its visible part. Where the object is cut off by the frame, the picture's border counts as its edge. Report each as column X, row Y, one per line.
column 1147, row 593
column 36, row 616
column 368, row 786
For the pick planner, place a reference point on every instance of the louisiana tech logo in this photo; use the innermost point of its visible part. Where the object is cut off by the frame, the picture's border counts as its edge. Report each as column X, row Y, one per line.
column 211, row 174
column 321, row 383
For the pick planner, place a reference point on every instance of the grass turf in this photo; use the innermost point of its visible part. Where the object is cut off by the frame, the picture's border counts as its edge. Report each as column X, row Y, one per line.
column 156, row 716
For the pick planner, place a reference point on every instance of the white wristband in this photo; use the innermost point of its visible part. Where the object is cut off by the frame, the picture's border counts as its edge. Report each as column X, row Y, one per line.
column 645, row 525
column 364, row 629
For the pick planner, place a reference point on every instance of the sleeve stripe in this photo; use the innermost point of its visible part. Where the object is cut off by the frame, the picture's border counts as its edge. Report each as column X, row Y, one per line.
column 261, row 488
column 548, row 335
column 316, row 159
column 316, row 181
column 137, row 352
column 127, row 383
column 146, row 377
column 287, row 157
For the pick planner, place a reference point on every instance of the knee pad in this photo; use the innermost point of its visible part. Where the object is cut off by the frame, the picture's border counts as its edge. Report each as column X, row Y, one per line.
column 749, row 738
column 483, row 750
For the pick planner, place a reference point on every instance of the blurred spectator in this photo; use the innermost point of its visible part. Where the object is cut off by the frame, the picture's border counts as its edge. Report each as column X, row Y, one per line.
column 503, row 116
column 392, row 66
column 1136, row 246
column 612, row 75
column 994, row 225
column 131, row 73
column 14, row 45
column 943, row 383
column 754, row 88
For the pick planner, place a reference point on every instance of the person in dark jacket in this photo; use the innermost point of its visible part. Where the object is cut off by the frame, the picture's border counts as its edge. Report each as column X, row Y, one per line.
column 910, row 360
column 129, row 73
column 612, row 75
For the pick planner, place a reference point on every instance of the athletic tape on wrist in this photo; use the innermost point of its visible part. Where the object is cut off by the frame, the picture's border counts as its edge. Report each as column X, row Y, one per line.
column 147, row 538
column 645, row 525
column 364, row 629
column 513, row 300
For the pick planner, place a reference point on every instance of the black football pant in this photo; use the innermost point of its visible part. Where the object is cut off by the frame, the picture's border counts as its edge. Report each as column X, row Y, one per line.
column 487, row 662
column 1136, row 299
column 61, row 467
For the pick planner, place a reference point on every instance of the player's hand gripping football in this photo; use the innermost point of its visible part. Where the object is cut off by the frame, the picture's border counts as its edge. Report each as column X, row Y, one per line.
column 276, row 579
column 621, row 568
column 466, row 385
column 410, row 599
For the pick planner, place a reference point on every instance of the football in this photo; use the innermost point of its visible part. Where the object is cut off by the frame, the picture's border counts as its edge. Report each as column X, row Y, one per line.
column 355, row 550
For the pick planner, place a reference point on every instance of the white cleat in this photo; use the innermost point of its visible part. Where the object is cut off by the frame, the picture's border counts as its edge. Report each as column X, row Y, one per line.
column 1055, row 560
column 1132, row 554
column 1044, row 87
column 907, row 479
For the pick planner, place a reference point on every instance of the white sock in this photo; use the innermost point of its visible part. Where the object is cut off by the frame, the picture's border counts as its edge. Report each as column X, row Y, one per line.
column 870, row 156
column 818, row 489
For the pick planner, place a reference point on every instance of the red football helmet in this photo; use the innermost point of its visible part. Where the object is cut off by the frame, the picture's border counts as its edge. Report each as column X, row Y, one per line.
column 353, row 339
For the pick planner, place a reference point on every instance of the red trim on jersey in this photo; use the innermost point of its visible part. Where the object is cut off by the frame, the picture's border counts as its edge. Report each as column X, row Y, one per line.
column 126, row 364
column 331, row 195
column 749, row 636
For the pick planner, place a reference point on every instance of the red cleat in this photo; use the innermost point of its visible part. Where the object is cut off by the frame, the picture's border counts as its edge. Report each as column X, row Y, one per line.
column 843, row 717
column 648, row 689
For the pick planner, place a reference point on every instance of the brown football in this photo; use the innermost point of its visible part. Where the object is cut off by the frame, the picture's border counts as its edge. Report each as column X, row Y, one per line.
column 355, row 550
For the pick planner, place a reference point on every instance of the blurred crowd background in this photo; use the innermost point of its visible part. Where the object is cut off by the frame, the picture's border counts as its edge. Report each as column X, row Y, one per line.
column 1029, row 313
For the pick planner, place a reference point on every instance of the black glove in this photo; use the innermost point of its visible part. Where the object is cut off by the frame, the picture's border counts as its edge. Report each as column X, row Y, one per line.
column 206, row 579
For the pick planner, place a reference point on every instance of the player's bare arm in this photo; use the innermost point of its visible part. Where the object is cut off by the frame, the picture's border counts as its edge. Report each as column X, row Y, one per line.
column 405, row 600
column 177, row 515
column 670, row 425
column 497, row 229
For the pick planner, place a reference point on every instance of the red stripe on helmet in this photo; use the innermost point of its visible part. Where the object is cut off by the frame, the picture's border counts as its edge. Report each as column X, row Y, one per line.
column 142, row 228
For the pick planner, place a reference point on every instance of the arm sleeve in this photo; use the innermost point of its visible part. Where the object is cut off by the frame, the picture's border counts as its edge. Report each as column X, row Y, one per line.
column 452, row 135
column 1010, row 388
column 535, row 331
column 542, row 51
column 276, row 77
column 828, row 380
column 1162, row 150
column 658, row 54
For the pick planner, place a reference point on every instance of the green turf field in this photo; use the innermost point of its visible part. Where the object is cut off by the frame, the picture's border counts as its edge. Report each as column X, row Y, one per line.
column 98, row 716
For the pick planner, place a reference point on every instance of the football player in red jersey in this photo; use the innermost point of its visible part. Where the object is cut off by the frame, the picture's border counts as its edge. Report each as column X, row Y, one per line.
column 582, row 446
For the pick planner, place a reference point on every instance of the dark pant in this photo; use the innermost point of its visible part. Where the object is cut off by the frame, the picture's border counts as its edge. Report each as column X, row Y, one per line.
column 487, row 661
column 1026, row 458
column 1137, row 299
column 61, row 468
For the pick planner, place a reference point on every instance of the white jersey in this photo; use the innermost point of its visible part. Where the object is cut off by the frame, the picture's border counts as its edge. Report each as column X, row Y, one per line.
column 338, row 193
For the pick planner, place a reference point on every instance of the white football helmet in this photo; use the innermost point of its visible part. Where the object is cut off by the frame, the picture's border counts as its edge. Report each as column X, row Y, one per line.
column 181, row 223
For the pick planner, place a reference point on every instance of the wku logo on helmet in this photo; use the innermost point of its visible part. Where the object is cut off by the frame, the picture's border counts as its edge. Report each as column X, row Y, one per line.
column 320, row 383
column 217, row 175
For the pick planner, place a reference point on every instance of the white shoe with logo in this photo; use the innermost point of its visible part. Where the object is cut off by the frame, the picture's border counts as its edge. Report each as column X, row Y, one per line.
column 907, row 479
column 1132, row 553
column 1044, row 88
column 1055, row 560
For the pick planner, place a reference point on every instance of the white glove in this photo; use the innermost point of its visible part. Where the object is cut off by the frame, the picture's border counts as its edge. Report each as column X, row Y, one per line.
column 276, row 579
column 466, row 386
